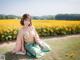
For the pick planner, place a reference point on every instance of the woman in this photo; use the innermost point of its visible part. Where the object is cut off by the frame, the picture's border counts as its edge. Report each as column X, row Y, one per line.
column 28, row 41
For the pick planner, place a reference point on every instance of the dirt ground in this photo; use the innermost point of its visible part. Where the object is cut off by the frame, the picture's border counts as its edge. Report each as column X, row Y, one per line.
column 64, row 47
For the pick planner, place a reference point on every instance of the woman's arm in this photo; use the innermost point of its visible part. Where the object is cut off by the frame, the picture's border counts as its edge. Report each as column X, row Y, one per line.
column 41, row 43
column 38, row 40
column 36, row 36
column 19, row 42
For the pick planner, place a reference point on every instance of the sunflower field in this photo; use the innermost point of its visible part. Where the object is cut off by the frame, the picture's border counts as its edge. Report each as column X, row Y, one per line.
column 10, row 27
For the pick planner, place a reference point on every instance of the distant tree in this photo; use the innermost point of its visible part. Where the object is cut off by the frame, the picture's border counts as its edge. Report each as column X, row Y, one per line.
column 2, row 16
column 67, row 17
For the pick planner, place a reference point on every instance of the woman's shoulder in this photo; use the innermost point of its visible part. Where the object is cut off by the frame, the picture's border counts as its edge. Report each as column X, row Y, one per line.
column 32, row 27
column 21, row 30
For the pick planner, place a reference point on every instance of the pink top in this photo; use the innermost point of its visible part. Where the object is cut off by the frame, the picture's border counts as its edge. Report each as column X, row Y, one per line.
column 29, row 35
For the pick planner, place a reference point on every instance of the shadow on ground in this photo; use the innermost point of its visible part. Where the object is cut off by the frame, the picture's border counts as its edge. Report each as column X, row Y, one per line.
column 10, row 56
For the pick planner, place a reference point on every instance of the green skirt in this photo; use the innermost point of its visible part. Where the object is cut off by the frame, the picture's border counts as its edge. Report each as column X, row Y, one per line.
column 34, row 50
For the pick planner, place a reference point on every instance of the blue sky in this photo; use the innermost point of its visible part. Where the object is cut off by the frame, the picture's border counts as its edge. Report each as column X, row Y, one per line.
column 39, row 7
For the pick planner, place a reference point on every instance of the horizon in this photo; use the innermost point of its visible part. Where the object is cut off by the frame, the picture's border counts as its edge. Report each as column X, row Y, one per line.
column 39, row 16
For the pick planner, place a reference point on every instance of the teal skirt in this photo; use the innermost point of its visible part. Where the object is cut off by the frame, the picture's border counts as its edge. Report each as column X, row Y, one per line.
column 34, row 50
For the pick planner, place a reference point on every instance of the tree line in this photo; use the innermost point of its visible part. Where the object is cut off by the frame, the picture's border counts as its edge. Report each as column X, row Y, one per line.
column 2, row 16
column 46, row 17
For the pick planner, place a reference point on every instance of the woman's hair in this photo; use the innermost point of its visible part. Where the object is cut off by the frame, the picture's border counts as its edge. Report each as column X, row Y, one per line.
column 25, row 17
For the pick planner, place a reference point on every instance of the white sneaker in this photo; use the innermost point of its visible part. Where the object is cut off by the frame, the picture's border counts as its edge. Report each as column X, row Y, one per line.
column 22, row 53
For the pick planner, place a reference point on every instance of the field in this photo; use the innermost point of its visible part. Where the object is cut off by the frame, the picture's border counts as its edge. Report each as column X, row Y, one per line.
column 40, row 23
column 9, row 28
column 63, row 48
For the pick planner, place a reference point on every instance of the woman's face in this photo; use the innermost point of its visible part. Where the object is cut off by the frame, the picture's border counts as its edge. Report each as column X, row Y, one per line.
column 27, row 22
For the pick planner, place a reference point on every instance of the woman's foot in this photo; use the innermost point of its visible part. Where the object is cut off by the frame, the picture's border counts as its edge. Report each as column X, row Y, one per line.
column 18, row 52
column 21, row 52
column 14, row 51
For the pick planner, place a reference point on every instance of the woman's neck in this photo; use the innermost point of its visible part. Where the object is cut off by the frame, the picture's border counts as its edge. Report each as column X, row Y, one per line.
column 25, row 27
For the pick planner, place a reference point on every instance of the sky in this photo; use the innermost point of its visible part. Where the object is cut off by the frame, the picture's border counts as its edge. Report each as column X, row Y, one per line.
column 39, row 7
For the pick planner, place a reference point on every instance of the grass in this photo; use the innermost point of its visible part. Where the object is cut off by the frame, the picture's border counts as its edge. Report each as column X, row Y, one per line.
column 63, row 48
